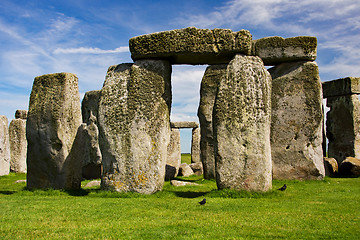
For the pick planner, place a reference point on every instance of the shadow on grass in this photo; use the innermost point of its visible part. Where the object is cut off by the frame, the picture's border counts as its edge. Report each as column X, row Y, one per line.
column 7, row 192
column 78, row 192
column 189, row 194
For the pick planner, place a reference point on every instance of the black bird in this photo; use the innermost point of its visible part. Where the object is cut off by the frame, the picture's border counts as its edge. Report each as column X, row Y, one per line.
column 202, row 202
column 283, row 188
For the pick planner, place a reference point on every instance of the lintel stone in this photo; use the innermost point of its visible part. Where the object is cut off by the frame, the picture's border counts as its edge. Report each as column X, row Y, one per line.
column 184, row 125
column 275, row 50
column 191, row 45
column 341, row 87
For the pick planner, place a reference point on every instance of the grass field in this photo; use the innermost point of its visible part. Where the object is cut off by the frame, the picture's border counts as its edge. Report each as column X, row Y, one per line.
column 328, row 209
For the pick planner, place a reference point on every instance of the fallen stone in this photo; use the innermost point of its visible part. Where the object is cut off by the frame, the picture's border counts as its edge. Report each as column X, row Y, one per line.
column 177, row 183
column 18, row 145
column 53, row 120
column 4, row 146
column 297, row 116
column 184, row 125
column 341, row 87
column 21, row 114
column 195, row 145
column 185, row 170
column 173, row 159
column 343, row 127
column 275, row 50
column 241, row 124
column 331, row 166
column 197, row 168
column 134, row 125
column 90, row 105
column 350, row 167
column 20, row 181
column 208, row 91
column 191, row 45
column 95, row 183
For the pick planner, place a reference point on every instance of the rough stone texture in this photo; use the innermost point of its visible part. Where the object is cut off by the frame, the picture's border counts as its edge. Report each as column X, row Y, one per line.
column 185, row 170
column 296, row 128
column 350, row 167
column 94, row 183
column 134, row 126
column 331, row 166
column 53, row 120
column 90, row 105
column 18, row 145
column 343, row 127
column 197, row 168
column 4, row 146
column 184, row 124
column 22, row 114
column 89, row 150
column 182, row 183
column 173, row 160
column 242, row 126
column 192, row 45
column 275, row 50
column 195, row 145
column 208, row 91
column 341, row 87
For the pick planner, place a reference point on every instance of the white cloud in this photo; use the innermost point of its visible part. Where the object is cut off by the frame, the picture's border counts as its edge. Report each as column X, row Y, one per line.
column 82, row 50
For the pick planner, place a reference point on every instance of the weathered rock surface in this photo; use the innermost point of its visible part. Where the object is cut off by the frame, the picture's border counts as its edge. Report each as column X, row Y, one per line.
column 296, row 128
column 177, row 183
column 331, row 166
column 275, row 50
column 350, row 167
column 343, row 127
column 88, row 150
column 90, row 105
column 197, row 168
column 18, row 145
column 191, row 45
column 195, row 145
column 208, row 91
column 22, row 114
column 184, row 124
column 53, row 120
column 94, row 183
column 341, row 87
column 185, row 170
column 173, row 160
column 134, row 126
column 242, row 126
column 4, row 146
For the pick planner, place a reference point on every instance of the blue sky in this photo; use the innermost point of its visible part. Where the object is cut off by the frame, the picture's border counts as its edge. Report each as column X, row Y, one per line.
column 85, row 37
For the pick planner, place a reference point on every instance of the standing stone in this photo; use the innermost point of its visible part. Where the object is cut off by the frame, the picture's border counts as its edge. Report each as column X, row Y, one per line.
column 343, row 127
column 53, row 120
column 208, row 91
column 242, row 126
column 296, row 127
column 173, row 160
column 4, row 146
column 134, row 126
column 90, row 105
column 195, row 145
column 92, row 158
column 18, row 143
column 90, row 150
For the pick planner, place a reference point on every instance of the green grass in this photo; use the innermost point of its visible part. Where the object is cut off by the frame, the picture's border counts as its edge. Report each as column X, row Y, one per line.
column 186, row 158
column 328, row 209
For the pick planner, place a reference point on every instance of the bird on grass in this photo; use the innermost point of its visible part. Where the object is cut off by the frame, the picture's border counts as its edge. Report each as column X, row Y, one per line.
column 202, row 202
column 283, row 188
